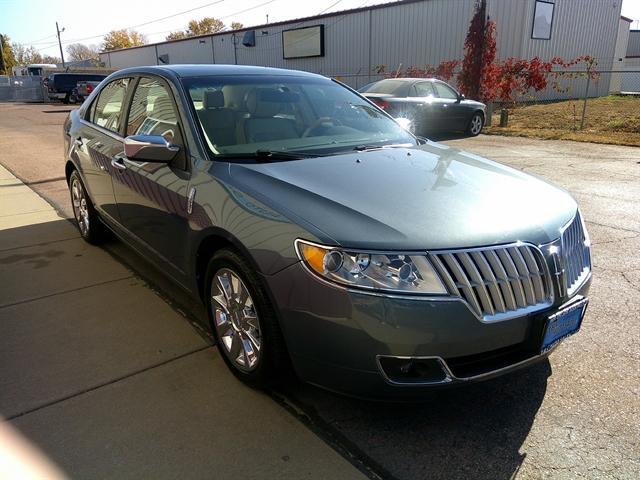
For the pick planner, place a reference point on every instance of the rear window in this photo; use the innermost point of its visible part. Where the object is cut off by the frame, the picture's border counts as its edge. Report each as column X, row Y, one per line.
column 384, row 86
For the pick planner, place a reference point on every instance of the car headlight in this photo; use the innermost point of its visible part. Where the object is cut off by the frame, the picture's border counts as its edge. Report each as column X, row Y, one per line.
column 392, row 272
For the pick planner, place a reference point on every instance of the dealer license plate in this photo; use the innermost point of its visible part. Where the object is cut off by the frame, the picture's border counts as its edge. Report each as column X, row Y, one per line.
column 563, row 323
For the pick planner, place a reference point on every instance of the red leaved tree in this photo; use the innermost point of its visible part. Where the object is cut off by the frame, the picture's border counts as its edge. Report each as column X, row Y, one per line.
column 478, row 76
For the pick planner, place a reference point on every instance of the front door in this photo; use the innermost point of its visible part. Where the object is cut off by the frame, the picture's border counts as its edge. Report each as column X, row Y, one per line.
column 453, row 112
column 99, row 141
column 152, row 197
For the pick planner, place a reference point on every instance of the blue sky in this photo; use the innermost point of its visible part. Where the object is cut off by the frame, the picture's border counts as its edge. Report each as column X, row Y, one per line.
column 33, row 22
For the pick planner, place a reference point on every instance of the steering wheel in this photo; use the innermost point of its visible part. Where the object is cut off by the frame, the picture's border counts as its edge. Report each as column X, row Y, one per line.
column 317, row 123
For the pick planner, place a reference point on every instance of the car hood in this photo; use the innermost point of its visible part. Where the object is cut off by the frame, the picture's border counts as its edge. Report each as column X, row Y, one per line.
column 428, row 197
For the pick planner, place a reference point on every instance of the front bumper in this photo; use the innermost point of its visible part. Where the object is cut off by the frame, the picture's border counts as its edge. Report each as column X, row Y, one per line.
column 337, row 337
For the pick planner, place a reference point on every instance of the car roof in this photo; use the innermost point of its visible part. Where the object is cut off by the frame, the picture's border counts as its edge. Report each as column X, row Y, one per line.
column 411, row 79
column 213, row 70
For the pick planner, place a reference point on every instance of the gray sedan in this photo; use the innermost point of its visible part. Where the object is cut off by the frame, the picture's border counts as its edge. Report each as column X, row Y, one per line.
column 323, row 237
column 431, row 105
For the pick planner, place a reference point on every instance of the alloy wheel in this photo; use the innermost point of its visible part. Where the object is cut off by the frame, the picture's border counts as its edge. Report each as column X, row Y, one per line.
column 235, row 320
column 476, row 124
column 80, row 206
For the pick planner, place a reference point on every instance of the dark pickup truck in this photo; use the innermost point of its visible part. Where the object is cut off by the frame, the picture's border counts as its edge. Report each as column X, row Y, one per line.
column 62, row 85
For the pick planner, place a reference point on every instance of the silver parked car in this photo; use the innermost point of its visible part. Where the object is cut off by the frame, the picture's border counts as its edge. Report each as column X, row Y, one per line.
column 321, row 235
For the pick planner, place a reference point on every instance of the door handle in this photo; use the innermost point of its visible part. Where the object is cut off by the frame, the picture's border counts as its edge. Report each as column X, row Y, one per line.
column 118, row 162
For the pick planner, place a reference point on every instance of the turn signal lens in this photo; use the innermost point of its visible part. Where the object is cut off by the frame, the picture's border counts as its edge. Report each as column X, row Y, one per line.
column 313, row 256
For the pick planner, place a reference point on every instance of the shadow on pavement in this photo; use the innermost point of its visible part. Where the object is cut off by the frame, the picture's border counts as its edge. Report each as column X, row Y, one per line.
column 474, row 431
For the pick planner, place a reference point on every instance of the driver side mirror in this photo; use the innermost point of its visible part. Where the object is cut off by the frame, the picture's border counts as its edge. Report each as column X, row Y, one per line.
column 150, row 148
column 460, row 97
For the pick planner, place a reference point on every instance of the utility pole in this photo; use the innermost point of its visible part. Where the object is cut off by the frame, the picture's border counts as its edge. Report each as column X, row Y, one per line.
column 58, row 31
column 2, row 64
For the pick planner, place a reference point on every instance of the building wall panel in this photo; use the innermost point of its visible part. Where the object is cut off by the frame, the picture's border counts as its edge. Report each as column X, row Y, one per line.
column 406, row 34
column 195, row 50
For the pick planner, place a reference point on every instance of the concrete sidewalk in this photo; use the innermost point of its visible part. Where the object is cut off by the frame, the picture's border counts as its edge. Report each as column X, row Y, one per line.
column 106, row 380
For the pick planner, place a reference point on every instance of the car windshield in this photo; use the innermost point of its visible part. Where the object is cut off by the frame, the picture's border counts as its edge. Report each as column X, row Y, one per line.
column 249, row 114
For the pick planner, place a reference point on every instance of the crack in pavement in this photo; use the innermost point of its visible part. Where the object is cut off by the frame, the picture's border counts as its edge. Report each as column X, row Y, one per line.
column 110, row 382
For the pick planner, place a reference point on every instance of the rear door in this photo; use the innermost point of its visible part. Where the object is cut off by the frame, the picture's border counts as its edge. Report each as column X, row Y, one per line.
column 152, row 197
column 99, row 142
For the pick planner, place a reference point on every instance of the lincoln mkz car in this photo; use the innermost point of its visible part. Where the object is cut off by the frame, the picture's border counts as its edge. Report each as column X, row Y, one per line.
column 323, row 237
column 427, row 105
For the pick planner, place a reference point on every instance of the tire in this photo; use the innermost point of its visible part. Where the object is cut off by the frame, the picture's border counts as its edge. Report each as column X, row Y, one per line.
column 475, row 124
column 248, row 335
column 65, row 100
column 91, row 228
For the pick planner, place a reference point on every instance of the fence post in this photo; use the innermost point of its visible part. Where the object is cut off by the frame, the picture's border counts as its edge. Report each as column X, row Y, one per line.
column 584, row 105
column 488, row 120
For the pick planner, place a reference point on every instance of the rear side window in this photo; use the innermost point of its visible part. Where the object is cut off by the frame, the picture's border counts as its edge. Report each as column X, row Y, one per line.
column 152, row 111
column 422, row 89
column 444, row 91
column 107, row 110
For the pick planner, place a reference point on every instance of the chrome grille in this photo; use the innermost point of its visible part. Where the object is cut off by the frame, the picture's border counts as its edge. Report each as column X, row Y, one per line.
column 576, row 255
column 496, row 282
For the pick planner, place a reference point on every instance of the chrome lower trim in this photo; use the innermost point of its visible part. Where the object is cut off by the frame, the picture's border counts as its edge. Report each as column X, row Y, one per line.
column 451, row 378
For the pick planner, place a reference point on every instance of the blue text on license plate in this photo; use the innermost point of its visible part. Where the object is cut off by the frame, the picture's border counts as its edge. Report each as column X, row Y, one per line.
column 563, row 323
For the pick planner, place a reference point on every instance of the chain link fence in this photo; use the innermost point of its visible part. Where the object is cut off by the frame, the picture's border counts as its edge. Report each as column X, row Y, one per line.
column 21, row 89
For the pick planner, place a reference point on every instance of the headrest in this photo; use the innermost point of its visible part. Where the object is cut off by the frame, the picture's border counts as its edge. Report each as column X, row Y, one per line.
column 213, row 99
column 259, row 105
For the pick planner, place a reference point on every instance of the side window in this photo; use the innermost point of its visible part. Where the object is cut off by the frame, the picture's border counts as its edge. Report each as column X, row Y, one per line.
column 444, row 91
column 107, row 109
column 153, row 112
column 422, row 89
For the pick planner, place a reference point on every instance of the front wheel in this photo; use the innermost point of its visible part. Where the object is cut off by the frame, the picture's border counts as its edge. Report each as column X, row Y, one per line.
column 475, row 124
column 243, row 321
column 91, row 229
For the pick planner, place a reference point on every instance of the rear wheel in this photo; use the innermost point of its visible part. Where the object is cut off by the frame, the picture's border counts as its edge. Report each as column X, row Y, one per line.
column 475, row 124
column 243, row 321
column 91, row 229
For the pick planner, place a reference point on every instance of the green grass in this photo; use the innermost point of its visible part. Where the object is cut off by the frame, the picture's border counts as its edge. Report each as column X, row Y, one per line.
column 613, row 119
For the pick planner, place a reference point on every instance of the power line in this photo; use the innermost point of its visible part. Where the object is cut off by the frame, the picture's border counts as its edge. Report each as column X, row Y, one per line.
column 146, row 23
column 329, row 7
column 247, row 9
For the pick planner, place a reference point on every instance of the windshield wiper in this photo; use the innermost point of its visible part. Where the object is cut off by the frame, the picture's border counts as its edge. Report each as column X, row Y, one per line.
column 362, row 148
column 263, row 155
column 282, row 154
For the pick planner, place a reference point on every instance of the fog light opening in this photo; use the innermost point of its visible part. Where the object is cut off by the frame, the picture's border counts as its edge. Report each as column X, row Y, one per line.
column 413, row 370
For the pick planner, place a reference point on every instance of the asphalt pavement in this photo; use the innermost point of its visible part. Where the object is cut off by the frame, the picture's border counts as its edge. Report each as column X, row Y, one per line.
column 101, row 389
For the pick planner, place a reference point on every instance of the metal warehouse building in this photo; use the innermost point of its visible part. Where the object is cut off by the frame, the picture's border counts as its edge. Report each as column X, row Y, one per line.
column 351, row 43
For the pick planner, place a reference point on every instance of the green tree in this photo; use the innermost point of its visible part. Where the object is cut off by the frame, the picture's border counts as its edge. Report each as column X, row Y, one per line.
column 205, row 26
column 179, row 35
column 79, row 51
column 236, row 25
column 8, row 58
column 26, row 55
column 124, row 38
